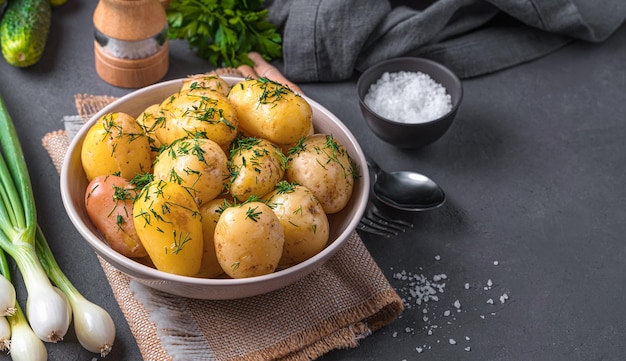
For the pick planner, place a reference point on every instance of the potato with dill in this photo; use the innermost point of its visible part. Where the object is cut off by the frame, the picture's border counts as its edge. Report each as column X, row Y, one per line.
column 255, row 165
column 211, row 212
column 204, row 84
column 270, row 110
column 189, row 115
column 303, row 219
column 249, row 240
column 322, row 164
column 116, row 144
column 198, row 164
column 169, row 226
column 150, row 119
column 109, row 203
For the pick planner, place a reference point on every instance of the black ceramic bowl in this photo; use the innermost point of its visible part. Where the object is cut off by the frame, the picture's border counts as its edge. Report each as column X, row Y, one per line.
column 410, row 135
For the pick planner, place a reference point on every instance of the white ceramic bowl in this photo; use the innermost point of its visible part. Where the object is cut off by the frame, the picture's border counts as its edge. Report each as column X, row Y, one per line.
column 74, row 184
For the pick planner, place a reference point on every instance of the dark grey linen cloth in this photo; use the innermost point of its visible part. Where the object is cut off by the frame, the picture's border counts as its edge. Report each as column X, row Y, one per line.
column 328, row 40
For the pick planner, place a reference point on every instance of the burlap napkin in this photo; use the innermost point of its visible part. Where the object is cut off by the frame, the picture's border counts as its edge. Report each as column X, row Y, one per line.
column 344, row 301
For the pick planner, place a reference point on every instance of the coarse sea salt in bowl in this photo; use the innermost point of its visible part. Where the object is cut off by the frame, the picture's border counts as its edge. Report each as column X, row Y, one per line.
column 409, row 102
column 342, row 224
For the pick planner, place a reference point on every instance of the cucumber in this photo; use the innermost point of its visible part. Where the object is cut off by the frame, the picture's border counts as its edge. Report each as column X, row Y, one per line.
column 24, row 31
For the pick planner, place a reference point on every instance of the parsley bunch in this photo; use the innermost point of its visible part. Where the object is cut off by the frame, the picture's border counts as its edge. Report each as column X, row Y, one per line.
column 224, row 31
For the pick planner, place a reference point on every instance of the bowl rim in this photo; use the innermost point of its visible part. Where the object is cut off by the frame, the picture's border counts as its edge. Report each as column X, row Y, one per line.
column 455, row 104
column 152, row 274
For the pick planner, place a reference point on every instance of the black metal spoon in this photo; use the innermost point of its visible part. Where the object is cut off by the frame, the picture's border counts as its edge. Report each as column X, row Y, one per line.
column 407, row 191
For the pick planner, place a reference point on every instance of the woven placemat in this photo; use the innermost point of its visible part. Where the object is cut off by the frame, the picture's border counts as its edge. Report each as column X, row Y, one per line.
column 334, row 307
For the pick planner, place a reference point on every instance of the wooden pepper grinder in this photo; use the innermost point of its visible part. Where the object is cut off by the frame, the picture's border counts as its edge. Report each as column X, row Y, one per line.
column 131, row 45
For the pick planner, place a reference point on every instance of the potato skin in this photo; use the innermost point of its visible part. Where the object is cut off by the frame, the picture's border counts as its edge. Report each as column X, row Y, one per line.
column 271, row 111
column 249, row 240
column 255, row 165
column 109, row 203
column 169, row 226
column 198, row 164
column 189, row 115
column 205, row 84
column 321, row 164
column 211, row 212
column 303, row 219
column 150, row 119
column 116, row 144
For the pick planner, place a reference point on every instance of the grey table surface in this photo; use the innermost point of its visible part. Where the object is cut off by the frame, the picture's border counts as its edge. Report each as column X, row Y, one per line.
column 533, row 167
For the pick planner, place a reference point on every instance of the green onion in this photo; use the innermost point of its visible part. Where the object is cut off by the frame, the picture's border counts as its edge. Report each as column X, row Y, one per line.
column 16, row 336
column 7, row 291
column 94, row 327
column 9, row 303
column 47, row 310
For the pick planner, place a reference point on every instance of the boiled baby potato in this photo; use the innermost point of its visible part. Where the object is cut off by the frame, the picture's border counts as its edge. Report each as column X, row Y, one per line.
column 269, row 110
column 109, row 204
column 249, row 240
column 205, row 83
column 189, row 115
column 150, row 119
column 169, row 226
column 321, row 164
column 211, row 212
column 303, row 219
column 116, row 144
column 200, row 165
column 255, row 165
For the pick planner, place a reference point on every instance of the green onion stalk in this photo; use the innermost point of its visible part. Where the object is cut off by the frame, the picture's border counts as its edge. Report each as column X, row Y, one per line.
column 20, row 340
column 52, row 298
column 47, row 310
column 94, row 326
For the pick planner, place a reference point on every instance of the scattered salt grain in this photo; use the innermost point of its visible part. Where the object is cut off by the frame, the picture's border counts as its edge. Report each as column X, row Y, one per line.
column 437, row 257
column 457, row 304
column 408, row 97
column 467, row 286
column 468, row 349
column 490, row 301
column 452, row 341
column 489, row 283
column 503, row 298
column 394, row 334
column 446, row 313
column 467, row 338
column 419, row 349
column 495, row 263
